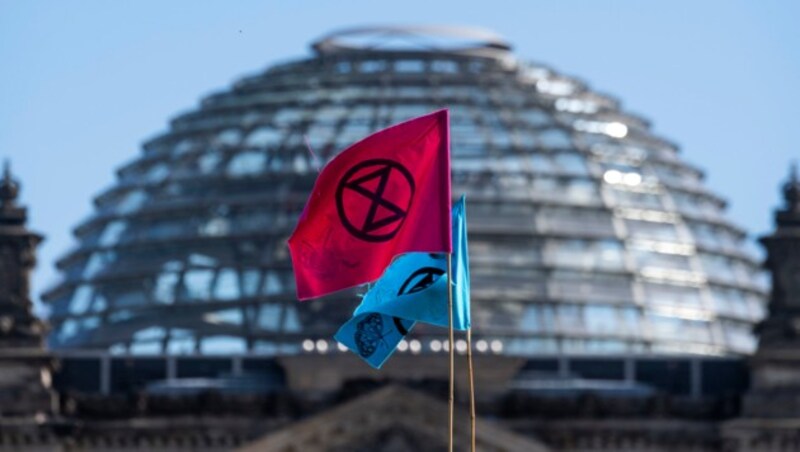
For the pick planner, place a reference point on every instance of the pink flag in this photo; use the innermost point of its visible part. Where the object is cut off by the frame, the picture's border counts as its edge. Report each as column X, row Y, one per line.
column 385, row 195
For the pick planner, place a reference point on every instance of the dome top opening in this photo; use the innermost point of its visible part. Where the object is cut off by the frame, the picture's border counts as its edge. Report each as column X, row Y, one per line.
column 466, row 40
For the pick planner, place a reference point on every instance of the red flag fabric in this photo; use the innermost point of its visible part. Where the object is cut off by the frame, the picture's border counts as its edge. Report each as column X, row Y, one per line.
column 385, row 195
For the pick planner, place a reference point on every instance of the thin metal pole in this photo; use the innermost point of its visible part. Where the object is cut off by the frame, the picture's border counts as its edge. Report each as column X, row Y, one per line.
column 452, row 347
column 471, row 389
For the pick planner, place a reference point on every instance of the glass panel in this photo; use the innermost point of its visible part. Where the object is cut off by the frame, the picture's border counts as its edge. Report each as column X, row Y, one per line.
column 229, row 137
column 572, row 285
column 404, row 112
column 181, row 342
column 724, row 268
column 145, row 348
column 164, row 290
column 250, row 282
column 184, row 146
column 352, row 133
column 508, row 253
column 646, row 258
column 100, row 303
column 538, row 318
column 673, row 295
column 157, row 173
column 67, row 330
column 300, row 164
column 530, row 346
column 131, row 202
column 81, row 299
column 222, row 345
column 535, row 117
column 97, row 262
column 601, row 319
column 372, row 66
column 576, row 105
column 113, row 232
column 292, row 322
column 500, row 138
column 575, row 221
column 208, row 162
column 330, row 113
column 606, row 346
column 247, row 163
column 586, row 254
column 554, row 139
column 570, row 163
column 320, row 135
column 215, row 227
column 120, row 315
column 197, row 283
column 739, row 336
column 543, row 163
column 697, row 205
column 270, row 317
column 570, row 319
column 631, row 320
column 677, row 329
column 639, row 200
column 227, row 316
column 409, row 66
column 129, row 295
column 652, row 229
column 149, row 334
column 227, row 285
column 343, row 67
column 730, row 302
column 272, row 284
column 263, row 137
column 444, row 66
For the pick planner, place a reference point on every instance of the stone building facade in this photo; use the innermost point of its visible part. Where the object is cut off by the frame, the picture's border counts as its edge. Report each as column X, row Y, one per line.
column 25, row 367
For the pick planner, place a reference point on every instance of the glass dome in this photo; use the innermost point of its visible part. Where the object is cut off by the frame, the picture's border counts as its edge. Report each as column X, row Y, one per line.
column 589, row 234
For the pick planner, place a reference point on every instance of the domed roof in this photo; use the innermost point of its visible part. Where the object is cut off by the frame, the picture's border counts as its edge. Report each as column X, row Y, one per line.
column 589, row 234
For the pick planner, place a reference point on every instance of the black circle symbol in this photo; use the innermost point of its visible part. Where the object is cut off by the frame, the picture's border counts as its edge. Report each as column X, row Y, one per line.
column 420, row 280
column 372, row 215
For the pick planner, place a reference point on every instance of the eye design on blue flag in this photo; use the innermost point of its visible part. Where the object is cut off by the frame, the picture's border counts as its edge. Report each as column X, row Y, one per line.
column 420, row 280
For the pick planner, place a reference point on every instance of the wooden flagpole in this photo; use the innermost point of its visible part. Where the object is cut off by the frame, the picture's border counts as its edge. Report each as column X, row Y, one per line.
column 451, row 344
column 471, row 389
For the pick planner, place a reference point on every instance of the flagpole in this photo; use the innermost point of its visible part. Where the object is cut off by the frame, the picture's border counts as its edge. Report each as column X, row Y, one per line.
column 452, row 345
column 471, row 389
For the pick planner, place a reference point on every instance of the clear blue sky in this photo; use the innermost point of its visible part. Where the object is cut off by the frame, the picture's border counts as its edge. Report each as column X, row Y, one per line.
column 83, row 83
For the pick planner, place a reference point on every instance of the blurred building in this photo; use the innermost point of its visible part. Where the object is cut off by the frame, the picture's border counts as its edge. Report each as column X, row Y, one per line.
column 25, row 377
column 589, row 234
column 613, row 303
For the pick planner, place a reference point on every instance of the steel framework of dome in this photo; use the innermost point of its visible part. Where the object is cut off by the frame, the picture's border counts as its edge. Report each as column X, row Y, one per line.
column 588, row 234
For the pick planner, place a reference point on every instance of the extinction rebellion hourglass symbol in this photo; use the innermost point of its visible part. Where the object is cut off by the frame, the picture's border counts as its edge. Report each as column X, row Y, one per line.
column 373, row 199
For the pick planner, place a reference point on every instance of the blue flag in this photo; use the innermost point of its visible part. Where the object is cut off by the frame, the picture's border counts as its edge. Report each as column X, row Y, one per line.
column 413, row 288
column 461, row 305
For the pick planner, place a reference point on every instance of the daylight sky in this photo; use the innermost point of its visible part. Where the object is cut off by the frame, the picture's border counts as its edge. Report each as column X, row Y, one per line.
column 83, row 83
